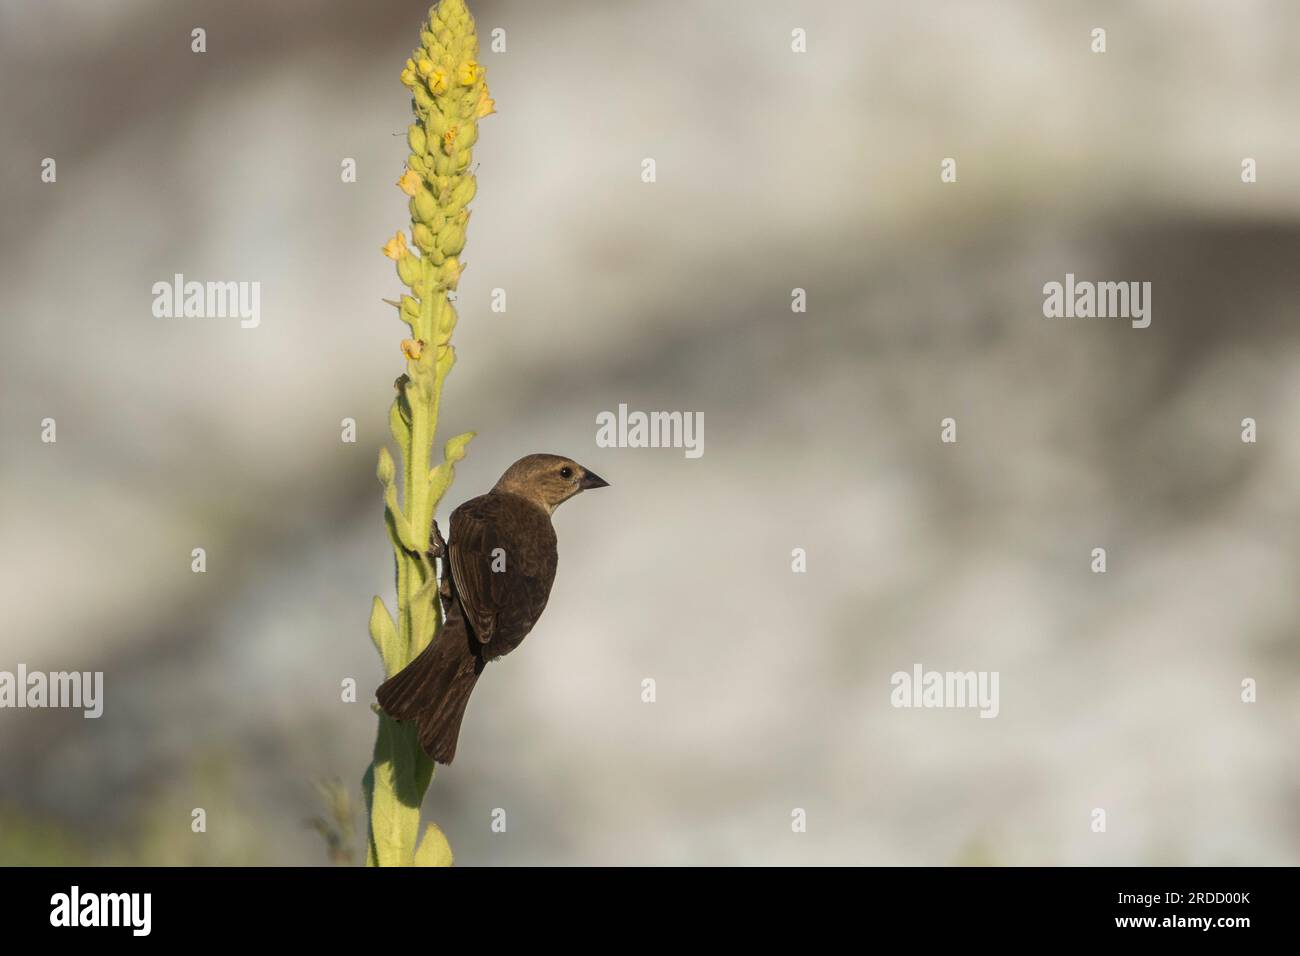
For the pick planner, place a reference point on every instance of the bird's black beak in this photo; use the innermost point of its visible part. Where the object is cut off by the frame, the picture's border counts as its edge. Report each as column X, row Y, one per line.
column 592, row 480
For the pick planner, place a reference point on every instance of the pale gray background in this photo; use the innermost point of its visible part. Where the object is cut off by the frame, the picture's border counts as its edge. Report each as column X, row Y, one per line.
column 776, row 170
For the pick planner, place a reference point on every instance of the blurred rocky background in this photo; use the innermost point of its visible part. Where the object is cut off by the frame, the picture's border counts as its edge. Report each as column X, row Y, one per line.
column 776, row 170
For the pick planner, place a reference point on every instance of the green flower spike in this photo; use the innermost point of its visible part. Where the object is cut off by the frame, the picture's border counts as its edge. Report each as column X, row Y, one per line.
column 449, row 96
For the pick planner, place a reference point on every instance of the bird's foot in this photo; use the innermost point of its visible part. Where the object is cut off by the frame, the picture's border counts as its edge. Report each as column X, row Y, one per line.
column 437, row 546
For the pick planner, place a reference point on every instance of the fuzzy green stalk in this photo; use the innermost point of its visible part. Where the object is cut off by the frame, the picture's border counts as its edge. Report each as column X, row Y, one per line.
column 449, row 96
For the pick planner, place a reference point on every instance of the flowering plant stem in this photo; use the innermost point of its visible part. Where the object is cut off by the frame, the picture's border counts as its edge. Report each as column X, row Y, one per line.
column 449, row 97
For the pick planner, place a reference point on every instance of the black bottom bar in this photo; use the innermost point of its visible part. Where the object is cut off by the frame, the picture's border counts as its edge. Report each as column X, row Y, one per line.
column 338, row 905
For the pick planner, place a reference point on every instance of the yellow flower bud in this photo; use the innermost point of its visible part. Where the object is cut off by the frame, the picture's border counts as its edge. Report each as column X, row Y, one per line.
column 451, row 240
column 446, row 324
column 415, row 138
column 463, row 193
column 395, row 248
column 386, row 471
column 451, row 270
column 423, row 237
column 408, row 270
column 425, row 66
column 468, row 73
column 423, row 206
column 438, row 81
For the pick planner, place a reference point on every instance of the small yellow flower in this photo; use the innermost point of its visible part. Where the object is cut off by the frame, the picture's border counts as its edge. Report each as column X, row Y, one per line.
column 438, row 81
column 468, row 73
column 407, row 78
column 409, row 183
column 449, row 139
column 486, row 105
column 395, row 248
column 425, row 66
column 412, row 348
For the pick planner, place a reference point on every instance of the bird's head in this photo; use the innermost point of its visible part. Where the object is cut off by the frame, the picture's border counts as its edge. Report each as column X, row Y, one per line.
column 548, row 480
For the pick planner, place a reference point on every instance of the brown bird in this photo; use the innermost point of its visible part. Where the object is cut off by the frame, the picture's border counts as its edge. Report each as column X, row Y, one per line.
column 496, row 577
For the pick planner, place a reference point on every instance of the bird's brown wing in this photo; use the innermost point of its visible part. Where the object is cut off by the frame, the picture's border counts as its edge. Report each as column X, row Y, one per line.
column 516, row 537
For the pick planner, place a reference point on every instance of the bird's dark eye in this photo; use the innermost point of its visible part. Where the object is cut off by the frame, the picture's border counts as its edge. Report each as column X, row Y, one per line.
column 566, row 472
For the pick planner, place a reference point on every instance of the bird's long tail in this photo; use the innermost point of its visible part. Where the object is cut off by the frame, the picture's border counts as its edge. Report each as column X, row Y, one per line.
column 434, row 689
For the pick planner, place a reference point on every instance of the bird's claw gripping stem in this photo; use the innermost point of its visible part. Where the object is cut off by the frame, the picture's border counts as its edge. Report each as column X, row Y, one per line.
column 438, row 550
column 437, row 546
